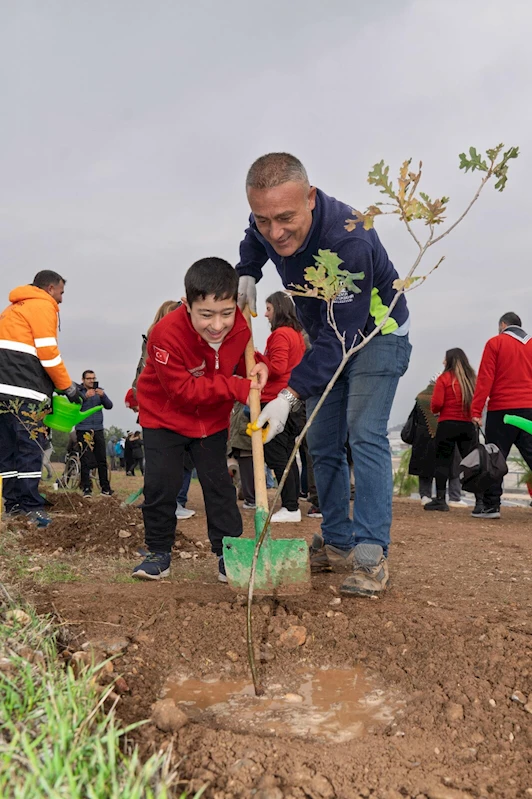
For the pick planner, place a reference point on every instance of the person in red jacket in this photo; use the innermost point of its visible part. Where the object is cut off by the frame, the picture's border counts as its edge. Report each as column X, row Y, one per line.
column 185, row 395
column 284, row 349
column 451, row 402
column 505, row 377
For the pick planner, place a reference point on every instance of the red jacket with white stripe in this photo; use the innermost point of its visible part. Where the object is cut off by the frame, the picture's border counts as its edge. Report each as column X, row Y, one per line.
column 187, row 386
column 30, row 362
column 505, row 373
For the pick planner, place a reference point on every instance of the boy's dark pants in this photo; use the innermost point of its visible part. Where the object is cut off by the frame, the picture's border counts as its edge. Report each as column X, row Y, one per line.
column 164, row 453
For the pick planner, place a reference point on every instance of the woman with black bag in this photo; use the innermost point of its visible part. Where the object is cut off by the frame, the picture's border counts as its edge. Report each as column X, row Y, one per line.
column 420, row 431
column 451, row 402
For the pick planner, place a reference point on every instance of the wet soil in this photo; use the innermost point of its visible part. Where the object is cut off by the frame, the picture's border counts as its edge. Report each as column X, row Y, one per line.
column 451, row 642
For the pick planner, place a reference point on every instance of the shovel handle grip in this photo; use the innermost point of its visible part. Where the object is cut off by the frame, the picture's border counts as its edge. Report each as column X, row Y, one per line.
column 259, row 476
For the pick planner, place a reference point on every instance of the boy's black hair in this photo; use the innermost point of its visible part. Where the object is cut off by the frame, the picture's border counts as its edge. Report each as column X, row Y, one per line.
column 47, row 278
column 211, row 276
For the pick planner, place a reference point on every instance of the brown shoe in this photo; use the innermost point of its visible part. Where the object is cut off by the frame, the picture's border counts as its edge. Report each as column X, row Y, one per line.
column 326, row 558
column 370, row 572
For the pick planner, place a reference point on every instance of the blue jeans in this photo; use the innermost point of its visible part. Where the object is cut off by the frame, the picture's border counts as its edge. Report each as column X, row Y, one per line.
column 358, row 409
column 182, row 497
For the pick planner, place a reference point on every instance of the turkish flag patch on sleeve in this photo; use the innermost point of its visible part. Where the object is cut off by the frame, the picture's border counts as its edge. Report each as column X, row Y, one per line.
column 161, row 356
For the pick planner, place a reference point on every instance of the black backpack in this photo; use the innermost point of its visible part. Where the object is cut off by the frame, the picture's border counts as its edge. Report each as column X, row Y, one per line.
column 484, row 466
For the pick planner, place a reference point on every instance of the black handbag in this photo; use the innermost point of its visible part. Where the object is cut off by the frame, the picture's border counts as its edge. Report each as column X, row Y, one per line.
column 407, row 433
column 484, row 466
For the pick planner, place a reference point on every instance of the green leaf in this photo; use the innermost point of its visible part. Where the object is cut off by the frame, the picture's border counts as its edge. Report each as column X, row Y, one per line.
column 379, row 177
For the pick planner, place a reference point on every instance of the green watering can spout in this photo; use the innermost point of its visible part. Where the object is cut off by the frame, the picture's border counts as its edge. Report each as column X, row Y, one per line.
column 518, row 421
column 66, row 415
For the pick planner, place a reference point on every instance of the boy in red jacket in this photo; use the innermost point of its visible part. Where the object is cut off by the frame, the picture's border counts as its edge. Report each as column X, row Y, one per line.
column 185, row 394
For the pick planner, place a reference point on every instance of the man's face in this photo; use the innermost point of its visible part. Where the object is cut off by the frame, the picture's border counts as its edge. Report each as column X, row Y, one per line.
column 56, row 291
column 283, row 215
column 212, row 319
column 88, row 380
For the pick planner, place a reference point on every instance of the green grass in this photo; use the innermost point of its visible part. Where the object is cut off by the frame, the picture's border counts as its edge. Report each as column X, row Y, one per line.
column 56, row 572
column 56, row 741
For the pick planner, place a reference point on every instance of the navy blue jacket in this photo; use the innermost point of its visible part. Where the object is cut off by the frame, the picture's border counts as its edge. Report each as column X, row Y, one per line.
column 361, row 251
column 94, row 422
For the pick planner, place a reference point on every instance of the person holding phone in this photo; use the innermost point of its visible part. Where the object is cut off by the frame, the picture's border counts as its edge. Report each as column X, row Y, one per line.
column 90, row 435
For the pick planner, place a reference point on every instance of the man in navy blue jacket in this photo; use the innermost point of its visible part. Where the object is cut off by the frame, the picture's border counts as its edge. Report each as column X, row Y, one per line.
column 289, row 223
column 95, row 454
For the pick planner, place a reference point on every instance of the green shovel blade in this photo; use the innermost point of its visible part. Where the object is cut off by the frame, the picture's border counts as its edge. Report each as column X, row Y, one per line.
column 282, row 567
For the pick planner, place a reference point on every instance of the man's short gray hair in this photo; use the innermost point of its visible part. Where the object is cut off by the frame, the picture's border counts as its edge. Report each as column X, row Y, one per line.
column 273, row 169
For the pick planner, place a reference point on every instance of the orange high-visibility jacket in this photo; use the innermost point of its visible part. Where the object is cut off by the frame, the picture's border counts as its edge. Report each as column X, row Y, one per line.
column 30, row 361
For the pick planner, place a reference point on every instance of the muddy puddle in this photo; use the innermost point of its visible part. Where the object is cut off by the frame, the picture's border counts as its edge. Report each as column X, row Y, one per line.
column 333, row 704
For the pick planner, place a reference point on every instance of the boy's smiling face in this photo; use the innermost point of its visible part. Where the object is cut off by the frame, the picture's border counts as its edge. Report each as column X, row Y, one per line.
column 212, row 319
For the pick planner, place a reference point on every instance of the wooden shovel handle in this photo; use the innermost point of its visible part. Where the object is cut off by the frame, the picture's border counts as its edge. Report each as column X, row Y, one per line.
column 259, row 476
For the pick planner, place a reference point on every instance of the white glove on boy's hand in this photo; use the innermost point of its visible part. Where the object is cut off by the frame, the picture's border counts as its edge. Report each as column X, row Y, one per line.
column 275, row 413
column 247, row 294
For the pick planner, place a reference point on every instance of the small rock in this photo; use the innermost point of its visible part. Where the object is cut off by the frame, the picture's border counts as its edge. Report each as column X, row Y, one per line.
column 121, row 686
column 518, row 697
column 185, row 555
column 233, row 656
column 124, row 534
column 528, row 707
column 454, row 712
column 321, row 786
column 269, row 793
column 492, row 702
column 34, row 569
column 293, row 699
column 293, row 637
column 335, row 601
column 121, row 550
column 6, row 665
column 18, row 615
column 330, row 614
column 167, row 716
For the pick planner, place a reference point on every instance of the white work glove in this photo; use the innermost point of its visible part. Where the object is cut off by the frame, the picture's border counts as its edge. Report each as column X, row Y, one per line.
column 275, row 413
column 247, row 294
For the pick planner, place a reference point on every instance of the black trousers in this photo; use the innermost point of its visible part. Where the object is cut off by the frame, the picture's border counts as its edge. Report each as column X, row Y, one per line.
column 97, row 456
column 164, row 453
column 448, row 435
column 504, row 436
column 21, row 451
column 247, row 480
column 276, row 453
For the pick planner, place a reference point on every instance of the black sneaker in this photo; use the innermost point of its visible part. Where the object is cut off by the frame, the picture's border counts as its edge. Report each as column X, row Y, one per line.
column 436, row 504
column 108, row 492
column 222, row 574
column 314, row 512
column 155, row 566
column 487, row 513
column 479, row 507
column 87, row 492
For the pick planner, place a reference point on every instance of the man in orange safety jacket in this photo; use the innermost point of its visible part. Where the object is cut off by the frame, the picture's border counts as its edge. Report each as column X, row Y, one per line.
column 31, row 368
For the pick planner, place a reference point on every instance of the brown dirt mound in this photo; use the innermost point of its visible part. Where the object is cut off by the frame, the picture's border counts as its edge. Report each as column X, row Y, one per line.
column 99, row 525
column 452, row 638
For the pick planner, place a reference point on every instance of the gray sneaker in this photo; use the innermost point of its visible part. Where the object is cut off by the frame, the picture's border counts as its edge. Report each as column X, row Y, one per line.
column 326, row 558
column 370, row 572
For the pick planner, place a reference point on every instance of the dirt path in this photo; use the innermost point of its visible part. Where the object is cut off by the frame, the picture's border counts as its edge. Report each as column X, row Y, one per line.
column 450, row 643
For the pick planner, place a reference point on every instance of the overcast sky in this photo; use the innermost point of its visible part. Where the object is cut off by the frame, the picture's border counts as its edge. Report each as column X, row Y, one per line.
column 127, row 128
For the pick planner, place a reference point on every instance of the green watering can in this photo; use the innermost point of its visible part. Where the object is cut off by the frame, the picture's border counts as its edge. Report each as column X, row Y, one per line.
column 66, row 415
column 518, row 421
